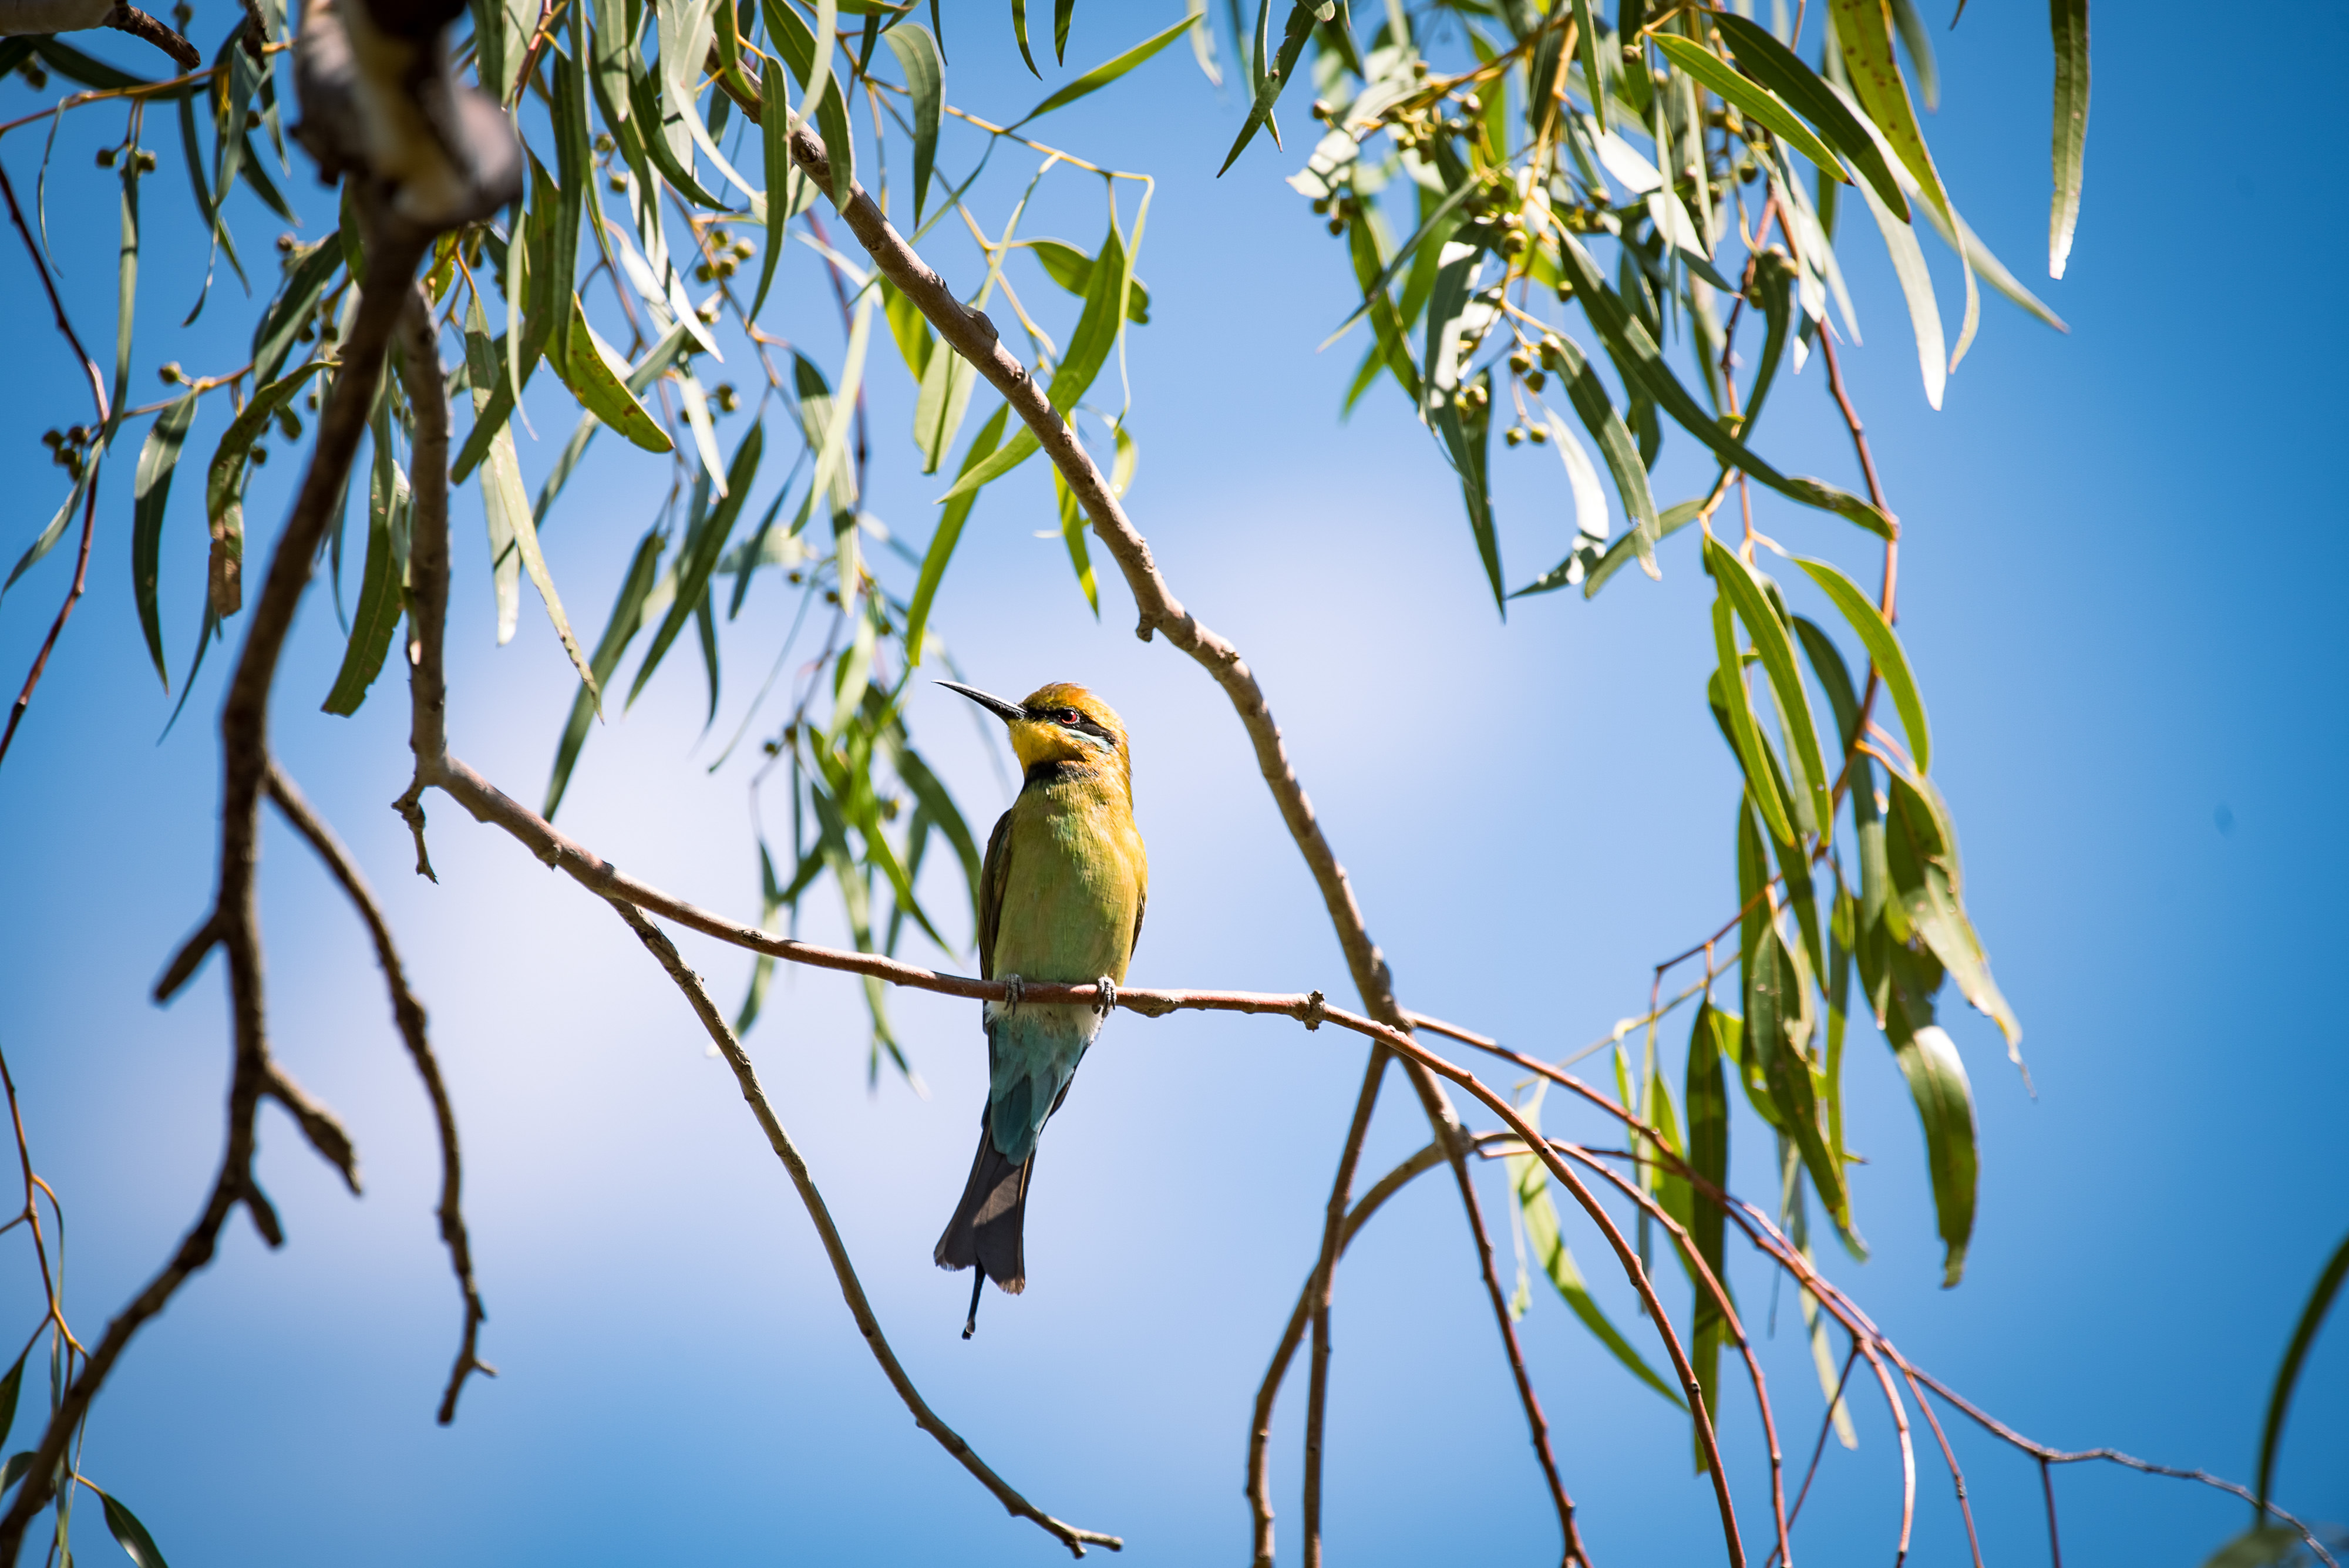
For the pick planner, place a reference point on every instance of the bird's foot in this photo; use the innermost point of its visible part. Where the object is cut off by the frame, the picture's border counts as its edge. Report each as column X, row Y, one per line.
column 1106, row 1001
column 1013, row 989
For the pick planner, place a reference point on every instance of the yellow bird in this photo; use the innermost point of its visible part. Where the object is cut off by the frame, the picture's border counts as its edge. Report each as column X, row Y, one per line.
column 1059, row 901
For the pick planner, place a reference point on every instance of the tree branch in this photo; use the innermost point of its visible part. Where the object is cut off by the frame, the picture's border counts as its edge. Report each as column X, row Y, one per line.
column 409, row 1014
column 234, row 920
column 656, row 941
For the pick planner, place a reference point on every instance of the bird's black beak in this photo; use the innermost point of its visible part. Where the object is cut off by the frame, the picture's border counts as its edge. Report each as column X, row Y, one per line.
column 1010, row 712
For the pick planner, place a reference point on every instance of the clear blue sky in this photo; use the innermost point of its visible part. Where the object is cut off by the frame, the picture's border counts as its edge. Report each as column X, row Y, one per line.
column 2119, row 545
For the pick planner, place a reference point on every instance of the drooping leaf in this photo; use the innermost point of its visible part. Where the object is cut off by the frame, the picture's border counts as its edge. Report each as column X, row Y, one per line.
column 129, row 1533
column 2303, row 1334
column 700, row 553
column 597, row 376
column 1779, row 68
column 224, row 487
column 2068, row 21
column 1590, row 400
column 1708, row 1156
column 1302, row 16
column 1072, row 269
column 1809, row 787
column 924, row 71
column 1883, row 650
column 1779, row 1025
column 376, row 614
column 1945, row 1106
column 949, row 531
column 1922, row 857
column 1088, row 348
column 159, row 455
column 1529, row 1184
column 1734, row 706
column 1637, row 356
column 627, row 617
column 1752, row 98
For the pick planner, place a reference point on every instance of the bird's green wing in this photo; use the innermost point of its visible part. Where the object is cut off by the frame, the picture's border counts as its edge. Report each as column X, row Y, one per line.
column 1141, row 908
column 994, row 874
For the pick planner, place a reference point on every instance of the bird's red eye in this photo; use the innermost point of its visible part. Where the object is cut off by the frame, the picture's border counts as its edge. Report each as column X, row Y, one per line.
column 1067, row 715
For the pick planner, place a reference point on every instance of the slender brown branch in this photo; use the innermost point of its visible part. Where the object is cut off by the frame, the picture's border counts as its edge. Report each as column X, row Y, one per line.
column 658, row 943
column 1949, row 1458
column 408, row 1014
column 89, row 498
column 427, row 561
column 65, row 613
column 234, row 922
column 1320, row 1291
column 1571, row 1550
column 1819, row 1448
column 147, row 29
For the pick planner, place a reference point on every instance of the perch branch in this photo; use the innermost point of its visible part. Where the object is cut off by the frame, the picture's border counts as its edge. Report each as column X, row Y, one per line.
column 409, row 1014
column 973, row 335
column 656, row 941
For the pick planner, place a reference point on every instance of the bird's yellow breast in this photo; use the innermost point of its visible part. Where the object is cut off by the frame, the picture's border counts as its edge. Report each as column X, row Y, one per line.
column 1077, row 877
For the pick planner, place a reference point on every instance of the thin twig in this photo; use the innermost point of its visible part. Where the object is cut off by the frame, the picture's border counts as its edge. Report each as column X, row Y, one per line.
column 409, row 1014
column 89, row 498
column 656, row 941
column 1318, row 1291
column 1949, row 1458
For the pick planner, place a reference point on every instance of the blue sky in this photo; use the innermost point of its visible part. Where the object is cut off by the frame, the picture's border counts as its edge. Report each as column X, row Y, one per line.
column 2119, row 554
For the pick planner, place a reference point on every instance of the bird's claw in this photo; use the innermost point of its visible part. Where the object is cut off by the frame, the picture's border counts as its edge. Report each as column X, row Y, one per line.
column 1013, row 987
column 1105, row 1003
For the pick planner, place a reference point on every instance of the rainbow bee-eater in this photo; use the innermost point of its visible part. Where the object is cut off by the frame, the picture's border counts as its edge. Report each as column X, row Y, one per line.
column 1059, row 901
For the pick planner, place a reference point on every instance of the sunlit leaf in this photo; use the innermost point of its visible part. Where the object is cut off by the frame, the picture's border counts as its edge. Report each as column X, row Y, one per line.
column 925, row 72
column 1755, row 100
column 151, row 491
column 1779, row 68
column 700, row 555
column 1883, row 645
column 2068, row 20
column 627, row 617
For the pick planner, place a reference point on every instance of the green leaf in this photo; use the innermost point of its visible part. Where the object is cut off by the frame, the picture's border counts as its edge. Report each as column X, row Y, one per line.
column 1733, row 705
column 1072, row 269
column 2262, row 1546
column 307, row 273
column 596, row 375
column 909, row 327
column 1826, row 663
column 1945, row 1106
column 10, row 1388
column 1529, row 1184
column 938, row 409
column 1072, row 535
column 1590, row 400
column 1423, row 250
column 700, row 555
column 1922, row 857
column 646, row 112
column 377, row 613
column 949, row 531
column 1089, row 347
column 76, row 67
column 1814, row 813
column 627, row 617
column 2312, row 1318
column 1466, row 436
column 783, row 176
column 1302, row 14
column 1063, row 12
column 1020, row 31
column 1586, row 36
column 224, row 487
column 1779, row 1025
column 2068, row 21
column 1771, row 62
column 1884, row 650
column 1643, row 366
column 151, row 491
column 1755, row 100
column 129, row 1533
column 925, row 72
column 576, row 163
column 1713, row 1038
column 1101, row 75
